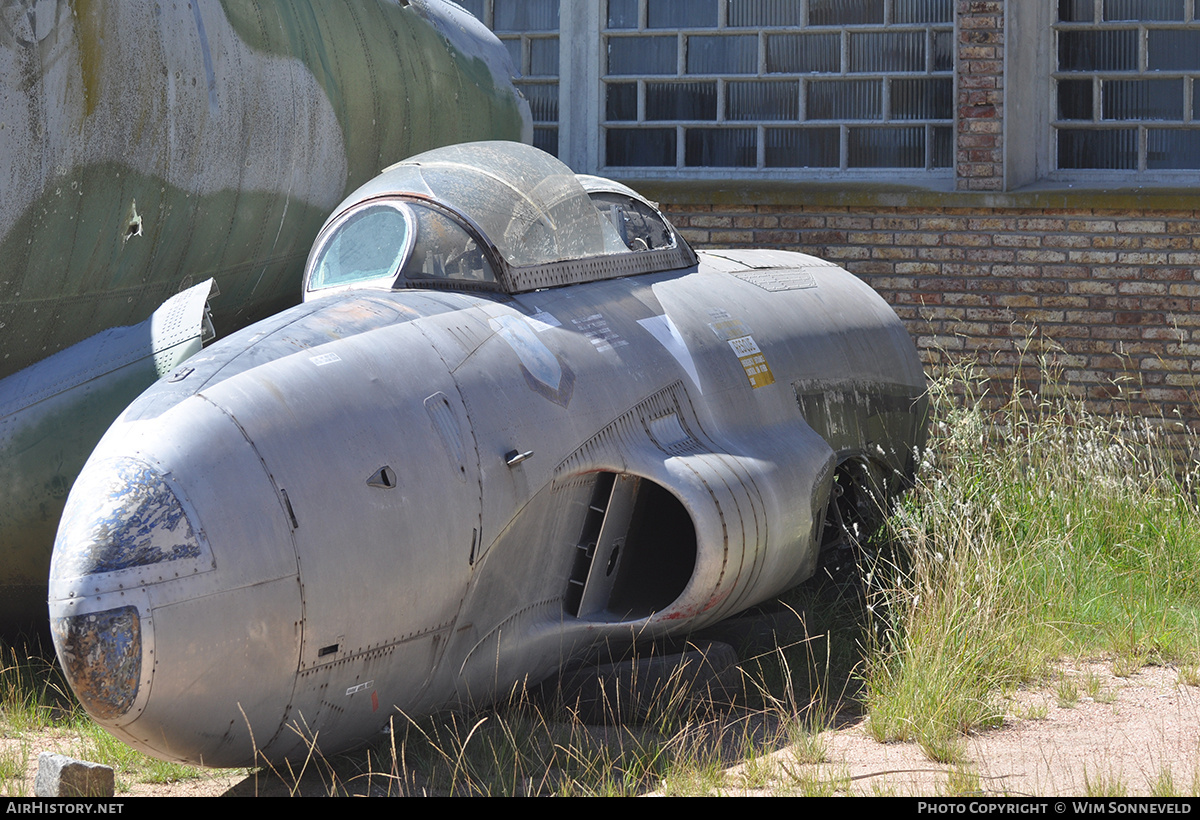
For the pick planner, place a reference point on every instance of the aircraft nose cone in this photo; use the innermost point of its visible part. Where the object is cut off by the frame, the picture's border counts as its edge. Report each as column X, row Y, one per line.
column 118, row 518
column 124, row 526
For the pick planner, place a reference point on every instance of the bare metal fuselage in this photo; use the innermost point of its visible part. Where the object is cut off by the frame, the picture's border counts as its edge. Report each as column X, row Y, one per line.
column 412, row 499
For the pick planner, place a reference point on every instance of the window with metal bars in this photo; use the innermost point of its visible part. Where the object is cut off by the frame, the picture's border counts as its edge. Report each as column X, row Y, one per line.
column 1126, row 85
column 777, row 84
column 529, row 29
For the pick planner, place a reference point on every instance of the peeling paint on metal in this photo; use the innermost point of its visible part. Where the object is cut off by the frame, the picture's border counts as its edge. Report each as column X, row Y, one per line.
column 545, row 373
column 134, row 520
column 101, row 654
column 666, row 334
column 543, row 321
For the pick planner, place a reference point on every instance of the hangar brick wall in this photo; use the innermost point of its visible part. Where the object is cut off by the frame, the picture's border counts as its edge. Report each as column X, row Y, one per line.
column 1000, row 262
column 979, row 148
column 1110, row 296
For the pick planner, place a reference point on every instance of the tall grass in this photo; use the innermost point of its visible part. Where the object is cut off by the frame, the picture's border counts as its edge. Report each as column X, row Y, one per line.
column 33, row 693
column 1036, row 532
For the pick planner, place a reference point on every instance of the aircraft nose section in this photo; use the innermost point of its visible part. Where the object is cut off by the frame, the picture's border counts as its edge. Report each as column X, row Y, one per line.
column 124, row 527
column 101, row 655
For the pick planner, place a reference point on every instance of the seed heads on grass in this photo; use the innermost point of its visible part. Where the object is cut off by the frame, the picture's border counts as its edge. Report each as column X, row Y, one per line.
column 1036, row 531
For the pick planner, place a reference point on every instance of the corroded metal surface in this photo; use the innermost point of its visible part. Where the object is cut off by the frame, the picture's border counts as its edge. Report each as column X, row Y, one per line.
column 101, row 654
column 134, row 520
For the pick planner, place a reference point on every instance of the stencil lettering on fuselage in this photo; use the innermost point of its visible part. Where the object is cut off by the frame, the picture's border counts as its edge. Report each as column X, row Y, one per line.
column 599, row 333
column 737, row 334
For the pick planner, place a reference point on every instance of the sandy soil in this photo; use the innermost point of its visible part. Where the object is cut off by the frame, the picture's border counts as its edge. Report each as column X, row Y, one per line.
column 1133, row 734
column 1136, row 732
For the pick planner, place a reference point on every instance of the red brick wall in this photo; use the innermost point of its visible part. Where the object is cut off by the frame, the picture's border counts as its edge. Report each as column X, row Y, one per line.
column 1102, row 285
column 1110, row 297
column 979, row 155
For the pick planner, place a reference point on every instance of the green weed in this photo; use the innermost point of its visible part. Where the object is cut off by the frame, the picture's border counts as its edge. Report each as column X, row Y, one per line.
column 1036, row 532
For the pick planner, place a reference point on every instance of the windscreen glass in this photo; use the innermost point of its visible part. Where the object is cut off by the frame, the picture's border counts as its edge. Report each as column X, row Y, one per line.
column 369, row 244
column 443, row 250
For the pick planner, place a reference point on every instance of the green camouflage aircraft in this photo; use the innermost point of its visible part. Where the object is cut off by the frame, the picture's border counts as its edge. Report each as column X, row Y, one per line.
column 164, row 168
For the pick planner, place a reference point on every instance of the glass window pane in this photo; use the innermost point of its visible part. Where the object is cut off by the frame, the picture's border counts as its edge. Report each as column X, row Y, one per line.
column 1141, row 10
column 943, row 148
column 1098, row 149
column 521, row 16
column 1142, row 99
column 923, row 11
column 708, row 54
column 886, row 147
column 622, row 13
column 845, row 100
column 1076, row 11
column 681, row 101
column 943, row 51
column 681, row 13
column 444, row 250
column 514, row 53
column 844, row 12
column 543, row 101
column 1075, row 99
column 804, row 53
column 370, row 244
column 1173, row 50
column 763, row 100
column 802, row 148
column 543, row 57
column 1167, row 148
column 887, row 51
column 640, row 147
column 640, row 227
column 765, row 13
column 621, row 101
column 642, row 55
column 546, row 139
column 720, row 148
column 1113, row 50
column 921, row 99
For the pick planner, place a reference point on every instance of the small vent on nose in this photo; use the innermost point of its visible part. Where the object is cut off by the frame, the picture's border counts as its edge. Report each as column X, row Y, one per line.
column 384, row 478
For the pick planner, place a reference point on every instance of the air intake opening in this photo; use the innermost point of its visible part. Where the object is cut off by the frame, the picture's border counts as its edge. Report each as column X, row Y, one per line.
column 637, row 551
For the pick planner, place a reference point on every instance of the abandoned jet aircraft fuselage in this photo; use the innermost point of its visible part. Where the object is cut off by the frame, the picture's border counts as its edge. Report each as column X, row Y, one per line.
column 434, row 479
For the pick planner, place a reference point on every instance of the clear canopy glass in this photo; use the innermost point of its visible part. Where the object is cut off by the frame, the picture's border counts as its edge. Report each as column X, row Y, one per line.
column 526, row 202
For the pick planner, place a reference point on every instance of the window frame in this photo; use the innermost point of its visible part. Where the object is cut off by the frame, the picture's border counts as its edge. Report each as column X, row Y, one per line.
column 1100, row 78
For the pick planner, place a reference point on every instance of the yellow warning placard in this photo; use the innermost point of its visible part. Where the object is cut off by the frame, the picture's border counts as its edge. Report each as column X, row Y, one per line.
column 753, row 361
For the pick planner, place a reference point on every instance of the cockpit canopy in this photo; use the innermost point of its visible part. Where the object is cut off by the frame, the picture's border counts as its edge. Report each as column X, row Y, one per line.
column 493, row 216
